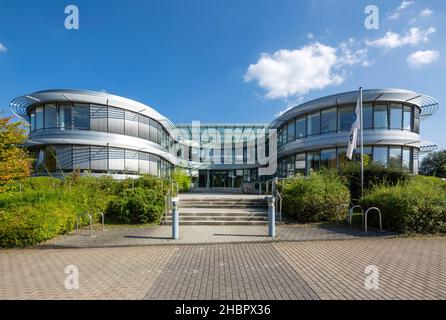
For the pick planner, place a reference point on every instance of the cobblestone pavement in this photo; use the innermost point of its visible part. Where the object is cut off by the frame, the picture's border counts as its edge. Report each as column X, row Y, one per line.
column 409, row 268
column 161, row 235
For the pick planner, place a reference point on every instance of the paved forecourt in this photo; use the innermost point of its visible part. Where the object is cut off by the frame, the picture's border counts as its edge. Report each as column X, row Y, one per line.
column 409, row 268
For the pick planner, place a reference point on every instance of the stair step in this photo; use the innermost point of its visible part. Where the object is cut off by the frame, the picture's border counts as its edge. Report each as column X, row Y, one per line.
column 220, row 223
column 220, row 218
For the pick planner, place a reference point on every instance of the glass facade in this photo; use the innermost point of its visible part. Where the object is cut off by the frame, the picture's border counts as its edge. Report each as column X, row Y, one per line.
column 305, row 162
column 65, row 158
column 379, row 116
column 100, row 118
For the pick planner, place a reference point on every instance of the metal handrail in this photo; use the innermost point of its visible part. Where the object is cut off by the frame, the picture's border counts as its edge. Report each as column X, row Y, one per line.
column 91, row 223
column 380, row 218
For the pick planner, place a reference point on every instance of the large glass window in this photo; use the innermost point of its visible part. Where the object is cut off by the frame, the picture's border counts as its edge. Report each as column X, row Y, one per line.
column 99, row 158
column 153, row 131
column 300, row 163
column 81, row 116
column 396, row 116
column 380, row 155
column 65, row 116
column 39, row 118
column 50, row 116
column 50, row 159
column 407, row 118
column 367, row 115
column 301, row 127
column 115, row 120
column 313, row 161
column 131, row 123
column 395, row 157
column 328, row 120
column 32, row 120
column 416, row 120
column 98, row 118
column 407, row 159
column 291, row 128
column 144, row 127
column 314, row 124
column 345, row 118
column 380, row 116
column 328, row 158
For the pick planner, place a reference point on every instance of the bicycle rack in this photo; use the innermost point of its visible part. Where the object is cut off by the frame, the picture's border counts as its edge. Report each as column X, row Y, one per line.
column 380, row 218
column 103, row 219
column 350, row 215
column 91, row 223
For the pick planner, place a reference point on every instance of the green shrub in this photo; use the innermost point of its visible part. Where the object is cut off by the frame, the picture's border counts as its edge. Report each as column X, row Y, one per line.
column 183, row 180
column 316, row 198
column 415, row 206
column 374, row 173
column 137, row 205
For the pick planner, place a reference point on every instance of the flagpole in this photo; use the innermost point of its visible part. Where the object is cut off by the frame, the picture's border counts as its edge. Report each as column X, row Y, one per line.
column 362, row 144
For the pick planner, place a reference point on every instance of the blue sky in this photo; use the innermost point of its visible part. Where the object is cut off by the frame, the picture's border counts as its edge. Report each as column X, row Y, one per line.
column 222, row 60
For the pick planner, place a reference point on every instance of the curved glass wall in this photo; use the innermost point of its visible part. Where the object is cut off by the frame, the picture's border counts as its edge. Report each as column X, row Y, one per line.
column 379, row 116
column 93, row 117
column 305, row 162
column 98, row 159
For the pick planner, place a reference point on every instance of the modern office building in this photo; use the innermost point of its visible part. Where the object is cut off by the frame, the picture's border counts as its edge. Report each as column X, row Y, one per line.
column 100, row 133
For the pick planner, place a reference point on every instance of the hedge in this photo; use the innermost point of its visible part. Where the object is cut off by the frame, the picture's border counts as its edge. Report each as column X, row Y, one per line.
column 415, row 206
column 317, row 198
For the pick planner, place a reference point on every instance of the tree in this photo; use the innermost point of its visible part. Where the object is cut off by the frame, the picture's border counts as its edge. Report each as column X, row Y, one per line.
column 15, row 161
column 434, row 164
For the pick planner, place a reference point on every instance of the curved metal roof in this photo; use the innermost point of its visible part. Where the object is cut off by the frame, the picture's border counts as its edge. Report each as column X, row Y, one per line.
column 427, row 104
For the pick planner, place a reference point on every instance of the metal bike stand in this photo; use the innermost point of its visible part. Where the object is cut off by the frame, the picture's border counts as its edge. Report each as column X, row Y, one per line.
column 350, row 215
column 91, row 223
column 380, row 218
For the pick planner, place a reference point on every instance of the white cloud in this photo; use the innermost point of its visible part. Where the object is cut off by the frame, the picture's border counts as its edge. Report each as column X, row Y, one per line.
column 395, row 14
column 426, row 12
column 404, row 5
column 420, row 58
column 3, row 48
column 310, row 36
column 287, row 73
column 394, row 40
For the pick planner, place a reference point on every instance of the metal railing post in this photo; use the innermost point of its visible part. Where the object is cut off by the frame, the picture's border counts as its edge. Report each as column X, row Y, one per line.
column 350, row 215
column 175, row 220
column 271, row 216
column 103, row 220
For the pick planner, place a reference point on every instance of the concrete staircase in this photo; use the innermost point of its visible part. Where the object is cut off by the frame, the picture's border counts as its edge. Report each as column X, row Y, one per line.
column 205, row 209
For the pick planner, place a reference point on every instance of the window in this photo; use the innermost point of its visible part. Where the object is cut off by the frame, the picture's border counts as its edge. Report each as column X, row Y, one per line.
column 407, row 118
column 144, row 127
column 314, row 124
column 290, row 166
column 115, row 120
column 396, row 116
column 380, row 116
column 81, row 157
column 50, row 116
column 300, row 163
column 416, row 120
column 153, row 131
column 395, row 157
column 81, row 116
column 65, row 116
column 39, row 118
column 407, row 159
column 380, row 155
column 301, row 127
column 64, row 157
column 342, row 158
column 367, row 115
column 131, row 161
column 98, row 118
column 328, row 158
column 116, row 159
column 328, row 120
column 313, row 161
column 131, row 123
column 144, row 162
column 345, row 118
column 32, row 120
column 291, row 132
column 50, row 158
column 99, row 158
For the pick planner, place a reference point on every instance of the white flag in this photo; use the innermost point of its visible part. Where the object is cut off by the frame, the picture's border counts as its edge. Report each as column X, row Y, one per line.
column 354, row 131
